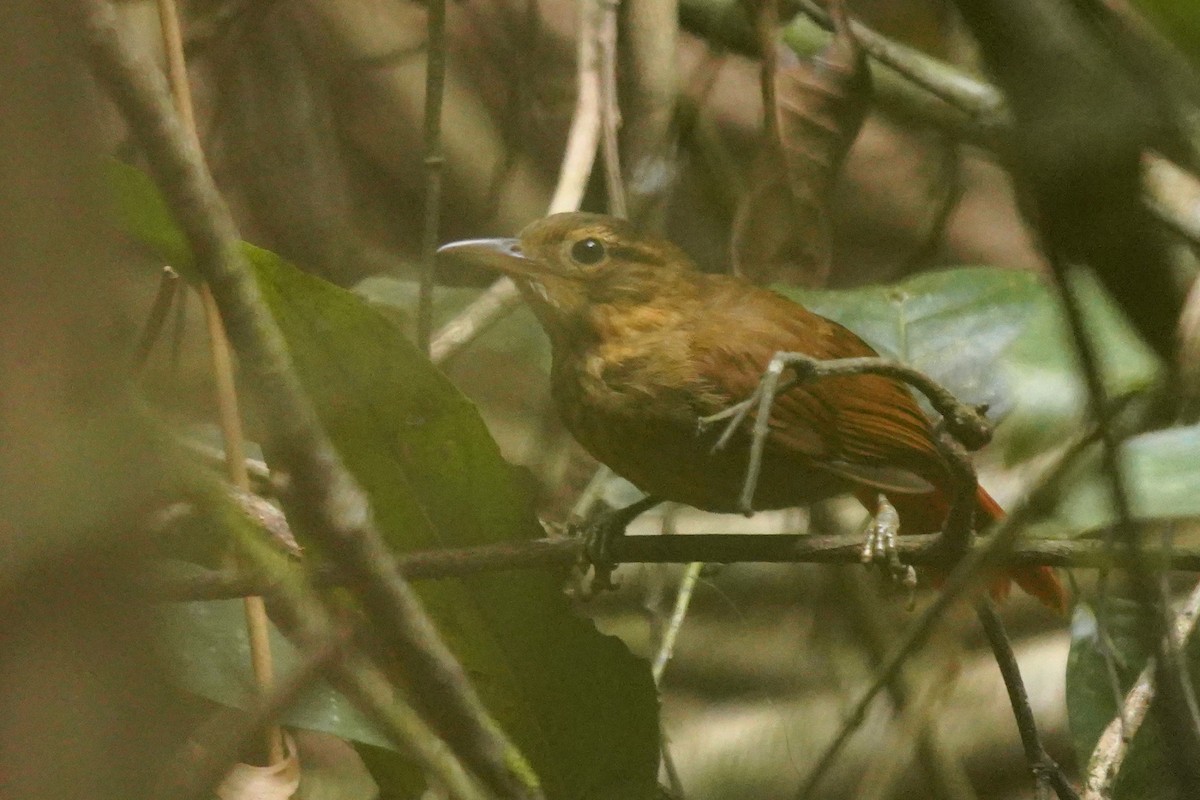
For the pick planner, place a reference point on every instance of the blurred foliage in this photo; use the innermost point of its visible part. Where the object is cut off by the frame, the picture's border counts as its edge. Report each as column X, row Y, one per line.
column 578, row 704
column 1091, row 704
column 1179, row 20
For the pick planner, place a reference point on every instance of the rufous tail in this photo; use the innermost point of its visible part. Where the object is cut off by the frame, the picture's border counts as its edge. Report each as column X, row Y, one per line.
column 926, row 513
column 1041, row 581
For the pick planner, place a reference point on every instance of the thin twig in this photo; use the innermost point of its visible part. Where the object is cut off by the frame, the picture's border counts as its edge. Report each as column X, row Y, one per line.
column 435, row 82
column 1045, row 769
column 579, row 156
column 683, row 599
column 610, row 108
column 322, row 497
column 1180, row 721
column 983, row 102
column 964, row 422
column 648, row 42
column 978, row 112
column 164, row 299
column 960, row 580
column 227, row 400
column 947, row 778
column 1113, row 744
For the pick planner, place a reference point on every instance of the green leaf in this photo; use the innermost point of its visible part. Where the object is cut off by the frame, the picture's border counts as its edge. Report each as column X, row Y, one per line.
column 579, row 705
column 207, row 645
column 1179, row 20
column 1160, row 475
column 141, row 212
column 1042, row 370
column 1091, row 703
column 951, row 325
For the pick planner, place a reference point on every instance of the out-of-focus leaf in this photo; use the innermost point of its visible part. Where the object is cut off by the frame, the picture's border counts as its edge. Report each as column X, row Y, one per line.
column 1042, row 370
column 781, row 230
column 1179, row 20
column 207, row 645
column 140, row 211
column 1091, row 705
column 954, row 325
column 1160, row 476
column 577, row 703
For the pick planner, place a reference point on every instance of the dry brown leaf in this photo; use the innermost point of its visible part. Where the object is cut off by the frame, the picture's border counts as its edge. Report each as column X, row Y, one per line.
column 781, row 230
column 275, row 782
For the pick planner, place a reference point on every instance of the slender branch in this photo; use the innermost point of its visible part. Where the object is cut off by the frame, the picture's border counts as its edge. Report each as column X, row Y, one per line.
column 228, row 410
column 683, row 599
column 735, row 548
column 962, row 105
column 579, row 157
column 164, row 299
column 944, row 771
column 1113, row 744
column 435, row 82
column 1179, row 720
column 322, row 496
column 1045, row 769
column 329, row 653
column 610, row 109
column 649, row 91
column 960, row 580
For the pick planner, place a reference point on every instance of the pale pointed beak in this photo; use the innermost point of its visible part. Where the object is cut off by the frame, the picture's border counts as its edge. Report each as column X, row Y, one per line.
column 501, row 255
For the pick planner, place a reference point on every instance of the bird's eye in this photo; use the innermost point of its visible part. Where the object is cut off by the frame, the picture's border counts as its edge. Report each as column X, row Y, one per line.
column 587, row 251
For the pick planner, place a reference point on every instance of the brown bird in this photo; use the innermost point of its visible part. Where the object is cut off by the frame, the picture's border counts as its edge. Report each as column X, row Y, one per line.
column 646, row 347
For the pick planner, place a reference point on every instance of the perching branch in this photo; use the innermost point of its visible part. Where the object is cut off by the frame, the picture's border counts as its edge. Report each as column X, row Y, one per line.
column 734, row 548
column 321, row 496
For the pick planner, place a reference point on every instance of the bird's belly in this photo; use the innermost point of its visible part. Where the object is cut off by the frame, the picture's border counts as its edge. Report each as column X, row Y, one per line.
column 675, row 461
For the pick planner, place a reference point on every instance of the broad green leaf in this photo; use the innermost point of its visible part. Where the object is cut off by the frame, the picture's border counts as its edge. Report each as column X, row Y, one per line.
column 578, row 704
column 207, row 645
column 1179, row 20
column 1091, row 703
column 953, row 325
column 1041, row 368
column 1161, row 478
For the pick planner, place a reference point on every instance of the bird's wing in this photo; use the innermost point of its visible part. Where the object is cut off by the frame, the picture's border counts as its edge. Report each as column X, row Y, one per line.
column 864, row 427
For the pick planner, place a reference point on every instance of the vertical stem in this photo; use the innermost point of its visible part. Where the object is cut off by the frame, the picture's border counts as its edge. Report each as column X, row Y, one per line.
column 610, row 109
column 435, row 79
column 1045, row 771
column 257, row 624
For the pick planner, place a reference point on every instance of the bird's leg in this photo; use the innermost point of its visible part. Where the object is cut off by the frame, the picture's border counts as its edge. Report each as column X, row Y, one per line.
column 880, row 545
column 602, row 531
column 763, row 396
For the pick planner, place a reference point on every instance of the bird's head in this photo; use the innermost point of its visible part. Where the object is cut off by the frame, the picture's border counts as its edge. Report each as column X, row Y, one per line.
column 565, row 263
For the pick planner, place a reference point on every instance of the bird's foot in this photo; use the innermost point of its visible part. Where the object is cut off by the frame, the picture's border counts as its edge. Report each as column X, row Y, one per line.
column 736, row 414
column 880, row 546
column 600, row 535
